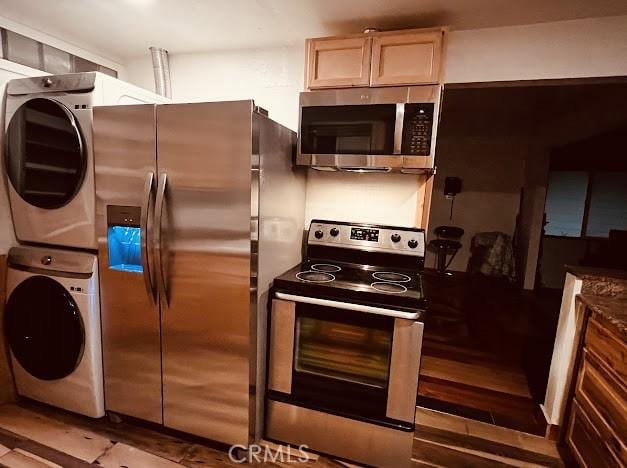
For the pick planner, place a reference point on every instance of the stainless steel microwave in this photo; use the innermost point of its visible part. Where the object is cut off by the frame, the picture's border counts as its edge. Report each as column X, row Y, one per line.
column 369, row 129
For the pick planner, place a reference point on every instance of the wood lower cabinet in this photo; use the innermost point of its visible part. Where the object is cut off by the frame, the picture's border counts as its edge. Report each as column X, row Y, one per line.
column 338, row 63
column 404, row 59
column 391, row 58
column 597, row 428
column 586, row 443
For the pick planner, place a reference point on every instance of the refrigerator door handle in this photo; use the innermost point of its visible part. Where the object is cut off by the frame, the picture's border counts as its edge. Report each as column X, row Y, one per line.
column 159, row 204
column 143, row 223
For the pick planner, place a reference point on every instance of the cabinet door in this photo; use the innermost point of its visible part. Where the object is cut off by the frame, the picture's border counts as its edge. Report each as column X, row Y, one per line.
column 586, row 443
column 407, row 58
column 338, row 63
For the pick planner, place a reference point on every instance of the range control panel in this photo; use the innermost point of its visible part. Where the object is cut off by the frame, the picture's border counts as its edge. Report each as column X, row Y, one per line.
column 389, row 239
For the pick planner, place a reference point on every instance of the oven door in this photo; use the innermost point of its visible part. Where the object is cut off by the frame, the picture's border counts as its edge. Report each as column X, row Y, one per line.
column 337, row 359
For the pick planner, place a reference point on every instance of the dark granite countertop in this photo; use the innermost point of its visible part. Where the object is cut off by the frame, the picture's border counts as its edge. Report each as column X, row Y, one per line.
column 584, row 271
column 601, row 281
column 611, row 310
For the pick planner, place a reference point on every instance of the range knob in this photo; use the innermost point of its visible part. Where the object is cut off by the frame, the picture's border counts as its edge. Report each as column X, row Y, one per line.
column 396, row 238
column 334, row 232
column 318, row 234
column 413, row 243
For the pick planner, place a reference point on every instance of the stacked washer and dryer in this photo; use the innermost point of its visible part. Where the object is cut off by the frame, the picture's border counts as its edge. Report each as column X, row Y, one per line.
column 52, row 314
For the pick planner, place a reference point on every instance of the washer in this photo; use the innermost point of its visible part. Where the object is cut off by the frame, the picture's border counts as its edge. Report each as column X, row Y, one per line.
column 52, row 328
column 49, row 156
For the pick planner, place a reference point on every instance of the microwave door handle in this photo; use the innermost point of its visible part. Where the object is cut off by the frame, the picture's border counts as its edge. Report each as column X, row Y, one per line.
column 398, row 128
column 159, row 205
column 143, row 226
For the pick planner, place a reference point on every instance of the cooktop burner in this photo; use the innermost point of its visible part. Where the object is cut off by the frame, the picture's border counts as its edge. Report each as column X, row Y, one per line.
column 393, row 288
column 327, row 267
column 391, row 276
column 310, row 276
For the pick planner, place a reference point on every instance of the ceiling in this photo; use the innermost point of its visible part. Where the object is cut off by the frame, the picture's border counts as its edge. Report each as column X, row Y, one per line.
column 120, row 29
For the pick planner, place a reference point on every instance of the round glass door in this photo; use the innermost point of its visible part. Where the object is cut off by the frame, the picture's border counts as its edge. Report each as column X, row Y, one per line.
column 44, row 328
column 45, row 153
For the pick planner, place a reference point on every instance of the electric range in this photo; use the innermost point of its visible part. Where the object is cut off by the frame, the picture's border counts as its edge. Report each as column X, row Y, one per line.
column 345, row 339
column 384, row 286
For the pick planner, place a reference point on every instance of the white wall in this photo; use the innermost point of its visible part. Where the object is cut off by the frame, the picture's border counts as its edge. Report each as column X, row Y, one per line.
column 274, row 77
column 375, row 198
column 492, row 172
column 569, row 326
column 565, row 49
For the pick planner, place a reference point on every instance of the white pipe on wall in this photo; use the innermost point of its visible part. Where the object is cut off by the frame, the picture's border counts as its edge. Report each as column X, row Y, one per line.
column 161, row 69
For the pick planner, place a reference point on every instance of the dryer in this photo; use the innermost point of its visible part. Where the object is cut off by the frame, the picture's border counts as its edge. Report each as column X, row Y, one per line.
column 49, row 155
column 52, row 328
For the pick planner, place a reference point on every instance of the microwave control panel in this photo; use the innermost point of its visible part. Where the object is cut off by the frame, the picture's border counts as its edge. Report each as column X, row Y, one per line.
column 417, row 129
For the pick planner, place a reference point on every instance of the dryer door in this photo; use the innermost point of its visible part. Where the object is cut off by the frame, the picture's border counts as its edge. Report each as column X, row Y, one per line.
column 44, row 328
column 45, row 158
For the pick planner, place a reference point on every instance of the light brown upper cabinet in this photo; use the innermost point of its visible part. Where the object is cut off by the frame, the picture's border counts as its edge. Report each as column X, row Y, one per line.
column 338, row 62
column 407, row 58
column 389, row 58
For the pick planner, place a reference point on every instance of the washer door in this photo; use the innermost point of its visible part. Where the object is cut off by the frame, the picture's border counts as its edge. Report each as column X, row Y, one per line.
column 44, row 328
column 45, row 157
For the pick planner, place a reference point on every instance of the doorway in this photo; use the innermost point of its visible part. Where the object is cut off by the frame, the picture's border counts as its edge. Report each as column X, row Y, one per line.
column 492, row 315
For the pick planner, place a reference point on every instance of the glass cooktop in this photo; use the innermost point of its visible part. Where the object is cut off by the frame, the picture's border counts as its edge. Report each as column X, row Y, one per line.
column 347, row 282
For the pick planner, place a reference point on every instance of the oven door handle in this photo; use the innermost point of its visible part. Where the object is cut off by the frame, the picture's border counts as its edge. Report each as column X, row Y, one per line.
column 349, row 306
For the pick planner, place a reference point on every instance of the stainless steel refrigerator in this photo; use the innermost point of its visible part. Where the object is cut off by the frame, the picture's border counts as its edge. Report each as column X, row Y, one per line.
column 198, row 209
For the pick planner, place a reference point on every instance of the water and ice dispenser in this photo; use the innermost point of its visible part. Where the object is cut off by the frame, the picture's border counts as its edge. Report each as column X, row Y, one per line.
column 124, row 238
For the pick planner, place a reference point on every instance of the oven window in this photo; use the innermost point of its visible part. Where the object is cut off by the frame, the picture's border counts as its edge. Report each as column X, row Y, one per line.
column 363, row 129
column 348, row 352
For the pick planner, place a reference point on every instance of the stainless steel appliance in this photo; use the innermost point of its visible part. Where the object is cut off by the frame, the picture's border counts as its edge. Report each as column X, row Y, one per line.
column 52, row 328
column 49, row 153
column 345, row 343
column 369, row 129
column 198, row 208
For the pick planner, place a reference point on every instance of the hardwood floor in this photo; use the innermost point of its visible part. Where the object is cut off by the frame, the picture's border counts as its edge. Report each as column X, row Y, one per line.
column 78, row 441
column 482, row 344
column 496, row 378
column 467, row 381
column 38, row 436
column 448, row 440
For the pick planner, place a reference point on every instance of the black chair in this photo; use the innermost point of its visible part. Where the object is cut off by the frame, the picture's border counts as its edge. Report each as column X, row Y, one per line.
column 446, row 244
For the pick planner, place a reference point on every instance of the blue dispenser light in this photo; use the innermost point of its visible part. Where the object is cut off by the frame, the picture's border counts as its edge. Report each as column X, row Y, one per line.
column 125, row 248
